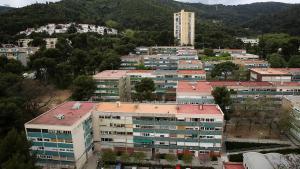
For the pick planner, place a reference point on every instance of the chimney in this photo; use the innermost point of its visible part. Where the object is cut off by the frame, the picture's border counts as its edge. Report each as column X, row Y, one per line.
column 118, row 104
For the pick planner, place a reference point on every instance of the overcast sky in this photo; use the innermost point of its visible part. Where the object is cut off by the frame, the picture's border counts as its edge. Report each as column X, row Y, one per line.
column 21, row 3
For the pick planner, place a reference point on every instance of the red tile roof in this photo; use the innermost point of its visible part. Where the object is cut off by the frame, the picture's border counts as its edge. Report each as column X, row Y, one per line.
column 71, row 114
column 199, row 109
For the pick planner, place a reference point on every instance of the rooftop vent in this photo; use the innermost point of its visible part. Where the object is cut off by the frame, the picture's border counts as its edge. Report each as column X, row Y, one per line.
column 193, row 87
column 118, row 104
column 60, row 116
column 76, row 106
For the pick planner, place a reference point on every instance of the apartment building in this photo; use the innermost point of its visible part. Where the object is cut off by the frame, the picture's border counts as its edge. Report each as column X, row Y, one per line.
column 198, row 92
column 155, row 50
column 245, row 56
column 112, row 85
column 18, row 53
column 131, row 62
column 275, row 74
column 249, row 64
column 184, row 27
column 24, row 42
column 158, row 128
column 162, row 62
column 194, row 92
column 251, row 41
column 62, row 137
column 50, row 42
column 190, row 65
column 63, row 28
column 292, row 103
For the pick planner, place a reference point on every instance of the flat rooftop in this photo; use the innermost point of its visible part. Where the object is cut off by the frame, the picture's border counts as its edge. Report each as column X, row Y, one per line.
column 272, row 71
column 72, row 112
column 233, row 165
column 140, row 71
column 148, row 108
column 189, row 62
column 110, row 74
column 191, row 72
column 199, row 87
column 199, row 109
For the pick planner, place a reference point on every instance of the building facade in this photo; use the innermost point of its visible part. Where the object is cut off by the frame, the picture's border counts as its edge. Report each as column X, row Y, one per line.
column 275, row 74
column 112, row 85
column 158, row 128
column 184, row 27
column 62, row 137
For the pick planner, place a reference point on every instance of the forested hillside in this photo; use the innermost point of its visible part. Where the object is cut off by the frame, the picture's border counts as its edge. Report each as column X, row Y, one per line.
column 287, row 21
column 134, row 14
column 4, row 9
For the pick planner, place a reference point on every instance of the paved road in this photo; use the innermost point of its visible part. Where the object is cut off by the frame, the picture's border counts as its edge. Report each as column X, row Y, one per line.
column 91, row 163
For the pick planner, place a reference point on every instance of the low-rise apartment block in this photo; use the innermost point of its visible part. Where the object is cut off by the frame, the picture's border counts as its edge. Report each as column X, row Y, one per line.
column 158, row 128
column 275, row 74
column 190, row 65
column 112, row 85
column 251, row 41
column 155, row 50
column 194, row 92
column 18, row 53
column 62, row 137
column 50, row 42
column 198, row 92
column 131, row 62
column 249, row 64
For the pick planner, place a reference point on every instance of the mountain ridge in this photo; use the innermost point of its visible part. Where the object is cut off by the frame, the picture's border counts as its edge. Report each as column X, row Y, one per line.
column 134, row 14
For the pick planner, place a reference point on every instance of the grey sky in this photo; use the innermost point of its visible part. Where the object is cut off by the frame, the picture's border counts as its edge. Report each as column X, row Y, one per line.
column 21, row 3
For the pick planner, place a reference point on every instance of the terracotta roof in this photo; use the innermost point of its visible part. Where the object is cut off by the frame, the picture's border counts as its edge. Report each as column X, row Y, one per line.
column 72, row 112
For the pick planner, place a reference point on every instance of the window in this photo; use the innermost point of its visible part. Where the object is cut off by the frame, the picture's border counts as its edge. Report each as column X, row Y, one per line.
column 46, row 139
column 33, row 130
column 106, row 139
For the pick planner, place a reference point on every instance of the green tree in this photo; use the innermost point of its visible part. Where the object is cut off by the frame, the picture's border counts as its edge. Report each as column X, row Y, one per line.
column 187, row 158
column 83, row 87
column 38, row 42
column 224, row 69
column 16, row 156
column 125, row 157
column 171, row 158
column 294, row 61
column 144, row 89
column 72, row 29
column 222, row 98
column 276, row 61
column 108, row 156
column 138, row 156
column 209, row 52
column 112, row 24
